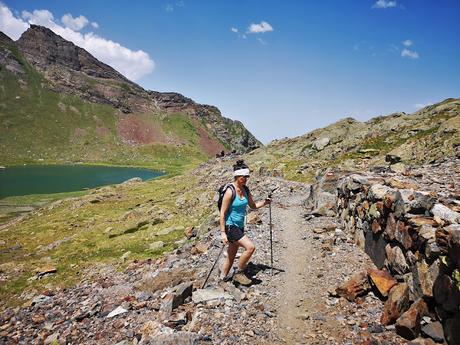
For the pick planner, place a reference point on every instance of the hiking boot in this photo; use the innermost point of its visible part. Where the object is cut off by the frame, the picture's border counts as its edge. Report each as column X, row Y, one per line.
column 241, row 278
column 229, row 276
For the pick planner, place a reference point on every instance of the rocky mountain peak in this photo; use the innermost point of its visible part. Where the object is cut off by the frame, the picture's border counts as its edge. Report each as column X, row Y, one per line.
column 46, row 50
column 4, row 39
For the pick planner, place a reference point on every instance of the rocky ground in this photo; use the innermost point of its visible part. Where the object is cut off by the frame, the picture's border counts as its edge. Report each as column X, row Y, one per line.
column 161, row 301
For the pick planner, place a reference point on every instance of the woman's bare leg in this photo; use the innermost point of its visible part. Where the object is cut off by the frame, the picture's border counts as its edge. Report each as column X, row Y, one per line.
column 249, row 247
column 231, row 253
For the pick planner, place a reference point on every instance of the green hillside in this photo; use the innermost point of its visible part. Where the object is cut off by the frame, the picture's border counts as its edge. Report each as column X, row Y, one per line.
column 42, row 126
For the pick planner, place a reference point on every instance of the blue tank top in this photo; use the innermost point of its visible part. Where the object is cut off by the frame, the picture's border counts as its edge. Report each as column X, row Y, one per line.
column 237, row 211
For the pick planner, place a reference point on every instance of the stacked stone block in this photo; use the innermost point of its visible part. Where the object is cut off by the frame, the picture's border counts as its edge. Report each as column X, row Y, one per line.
column 415, row 236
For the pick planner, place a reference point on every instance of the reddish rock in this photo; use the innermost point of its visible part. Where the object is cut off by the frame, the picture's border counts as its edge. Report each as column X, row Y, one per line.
column 403, row 235
column 388, row 201
column 442, row 240
column 390, row 229
column 396, row 304
column 199, row 248
column 408, row 324
column 382, row 280
column 190, row 232
column 376, row 228
column 358, row 285
column 366, row 205
column 418, row 221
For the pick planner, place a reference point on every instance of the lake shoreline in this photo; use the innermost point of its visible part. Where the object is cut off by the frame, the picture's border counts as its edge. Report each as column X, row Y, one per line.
column 19, row 203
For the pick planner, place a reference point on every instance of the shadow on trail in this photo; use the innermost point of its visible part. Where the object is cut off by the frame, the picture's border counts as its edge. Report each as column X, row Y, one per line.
column 252, row 270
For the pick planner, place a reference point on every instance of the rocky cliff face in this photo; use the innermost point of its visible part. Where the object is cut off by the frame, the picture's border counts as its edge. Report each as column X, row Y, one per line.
column 9, row 60
column 72, row 70
column 45, row 50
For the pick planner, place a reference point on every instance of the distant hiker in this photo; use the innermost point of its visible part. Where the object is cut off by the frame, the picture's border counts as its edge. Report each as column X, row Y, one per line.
column 236, row 197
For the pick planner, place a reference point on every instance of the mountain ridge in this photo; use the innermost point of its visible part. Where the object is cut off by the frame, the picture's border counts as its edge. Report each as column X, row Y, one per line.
column 422, row 137
column 40, row 62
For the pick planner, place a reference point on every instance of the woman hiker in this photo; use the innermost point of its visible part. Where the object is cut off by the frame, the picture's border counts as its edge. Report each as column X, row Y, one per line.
column 232, row 216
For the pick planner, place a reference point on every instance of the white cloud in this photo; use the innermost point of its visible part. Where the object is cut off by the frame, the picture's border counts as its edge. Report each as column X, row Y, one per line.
column 169, row 8
column 422, row 105
column 39, row 17
column 259, row 28
column 9, row 24
column 132, row 64
column 95, row 25
column 233, row 29
column 76, row 23
column 408, row 43
column 385, row 4
column 410, row 54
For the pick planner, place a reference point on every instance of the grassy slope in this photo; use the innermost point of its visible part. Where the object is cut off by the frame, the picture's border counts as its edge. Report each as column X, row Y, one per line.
column 86, row 228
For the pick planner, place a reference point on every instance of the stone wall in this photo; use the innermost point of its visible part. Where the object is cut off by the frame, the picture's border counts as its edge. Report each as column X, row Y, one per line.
column 415, row 236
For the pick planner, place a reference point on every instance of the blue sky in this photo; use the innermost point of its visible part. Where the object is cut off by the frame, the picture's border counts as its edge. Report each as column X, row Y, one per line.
column 302, row 64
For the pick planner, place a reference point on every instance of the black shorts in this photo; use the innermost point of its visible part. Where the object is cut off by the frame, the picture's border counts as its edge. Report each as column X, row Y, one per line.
column 234, row 233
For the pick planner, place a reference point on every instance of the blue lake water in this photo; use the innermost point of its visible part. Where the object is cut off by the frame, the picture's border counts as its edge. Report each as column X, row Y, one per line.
column 47, row 179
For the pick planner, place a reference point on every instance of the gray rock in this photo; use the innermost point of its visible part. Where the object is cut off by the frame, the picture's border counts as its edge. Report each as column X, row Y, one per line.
column 40, row 299
column 205, row 295
column 396, row 260
column 445, row 213
column 166, row 231
column 117, row 311
column 375, row 247
column 133, row 180
column 178, row 338
column 181, row 292
column 427, row 232
column 398, row 168
column 156, row 245
column 321, row 143
column 434, row 331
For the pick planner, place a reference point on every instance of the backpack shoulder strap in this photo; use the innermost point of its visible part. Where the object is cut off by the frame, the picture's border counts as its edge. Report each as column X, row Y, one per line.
column 232, row 188
column 246, row 189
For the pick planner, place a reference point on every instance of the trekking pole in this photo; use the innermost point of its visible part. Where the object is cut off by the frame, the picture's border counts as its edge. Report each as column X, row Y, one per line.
column 271, row 234
column 215, row 262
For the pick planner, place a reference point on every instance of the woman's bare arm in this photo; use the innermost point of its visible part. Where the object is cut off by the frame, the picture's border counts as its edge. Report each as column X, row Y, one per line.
column 259, row 204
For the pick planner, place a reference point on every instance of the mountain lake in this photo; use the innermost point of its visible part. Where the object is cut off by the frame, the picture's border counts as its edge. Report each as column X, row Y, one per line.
column 47, row 179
